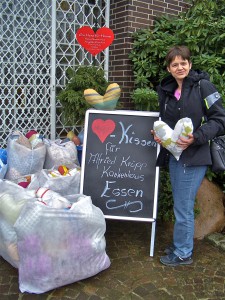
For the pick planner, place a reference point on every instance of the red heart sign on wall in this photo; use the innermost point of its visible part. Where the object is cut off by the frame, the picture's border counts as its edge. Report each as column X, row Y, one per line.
column 94, row 42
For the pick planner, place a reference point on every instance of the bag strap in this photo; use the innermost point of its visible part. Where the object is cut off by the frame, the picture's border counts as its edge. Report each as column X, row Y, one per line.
column 202, row 101
column 166, row 102
column 163, row 106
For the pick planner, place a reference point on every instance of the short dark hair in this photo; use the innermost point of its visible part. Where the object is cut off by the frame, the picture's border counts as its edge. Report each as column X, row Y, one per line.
column 182, row 51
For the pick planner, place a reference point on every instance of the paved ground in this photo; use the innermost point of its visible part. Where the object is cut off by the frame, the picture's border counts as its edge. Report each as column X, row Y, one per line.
column 133, row 274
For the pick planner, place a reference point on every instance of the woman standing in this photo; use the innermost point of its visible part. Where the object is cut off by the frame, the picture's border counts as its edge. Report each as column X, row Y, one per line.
column 181, row 95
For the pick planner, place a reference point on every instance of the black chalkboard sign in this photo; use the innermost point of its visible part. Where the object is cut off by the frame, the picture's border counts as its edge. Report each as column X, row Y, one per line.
column 118, row 163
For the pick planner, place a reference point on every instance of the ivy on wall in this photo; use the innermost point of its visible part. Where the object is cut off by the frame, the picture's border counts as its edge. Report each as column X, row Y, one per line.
column 201, row 28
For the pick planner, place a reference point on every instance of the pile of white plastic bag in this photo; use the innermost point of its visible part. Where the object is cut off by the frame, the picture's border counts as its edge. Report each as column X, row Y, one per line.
column 51, row 233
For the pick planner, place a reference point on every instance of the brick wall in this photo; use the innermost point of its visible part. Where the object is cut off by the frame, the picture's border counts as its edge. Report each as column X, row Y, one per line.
column 127, row 16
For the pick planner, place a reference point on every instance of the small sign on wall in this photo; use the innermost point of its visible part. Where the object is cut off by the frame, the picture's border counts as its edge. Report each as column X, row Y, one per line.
column 94, row 42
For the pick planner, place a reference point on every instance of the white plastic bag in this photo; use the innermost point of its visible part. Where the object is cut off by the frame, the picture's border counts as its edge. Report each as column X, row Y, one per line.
column 60, row 246
column 59, row 153
column 12, row 200
column 21, row 158
column 64, row 185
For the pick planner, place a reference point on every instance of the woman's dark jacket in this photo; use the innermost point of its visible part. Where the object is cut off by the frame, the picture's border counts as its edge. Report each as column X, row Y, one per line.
column 199, row 98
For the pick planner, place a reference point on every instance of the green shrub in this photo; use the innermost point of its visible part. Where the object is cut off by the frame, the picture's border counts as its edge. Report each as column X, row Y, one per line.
column 72, row 98
column 145, row 99
column 201, row 28
column 165, row 201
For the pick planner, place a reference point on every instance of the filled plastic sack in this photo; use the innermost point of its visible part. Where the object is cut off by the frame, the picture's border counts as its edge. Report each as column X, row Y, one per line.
column 59, row 246
column 169, row 136
column 68, row 184
column 3, row 163
column 8, row 243
column 22, row 158
column 60, row 152
column 12, row 200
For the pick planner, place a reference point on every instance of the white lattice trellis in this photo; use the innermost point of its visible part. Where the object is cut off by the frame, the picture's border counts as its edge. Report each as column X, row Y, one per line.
column 71, row 15
column 37, row 46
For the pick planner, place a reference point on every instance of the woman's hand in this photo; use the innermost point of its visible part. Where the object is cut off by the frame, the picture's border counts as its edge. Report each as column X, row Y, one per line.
column 156, row 139
column 184, row 143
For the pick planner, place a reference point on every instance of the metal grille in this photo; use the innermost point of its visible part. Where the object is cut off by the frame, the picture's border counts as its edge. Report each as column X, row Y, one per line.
column 37, row 45
column 71, row 15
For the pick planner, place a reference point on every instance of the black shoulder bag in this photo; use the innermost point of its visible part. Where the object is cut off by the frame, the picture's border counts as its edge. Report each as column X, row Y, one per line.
column 217, row 149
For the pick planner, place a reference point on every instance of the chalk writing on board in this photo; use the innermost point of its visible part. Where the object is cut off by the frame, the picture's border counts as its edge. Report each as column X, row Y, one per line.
column 115, row 192
column 137, row 204
column 127, row 139
column 113, row 165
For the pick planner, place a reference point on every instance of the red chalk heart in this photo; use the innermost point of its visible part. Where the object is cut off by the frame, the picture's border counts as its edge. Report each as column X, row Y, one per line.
column 103, row 128
column 94, row 42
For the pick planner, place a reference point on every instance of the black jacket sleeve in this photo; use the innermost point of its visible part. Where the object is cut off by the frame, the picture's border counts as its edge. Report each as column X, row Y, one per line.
column 214, row 112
